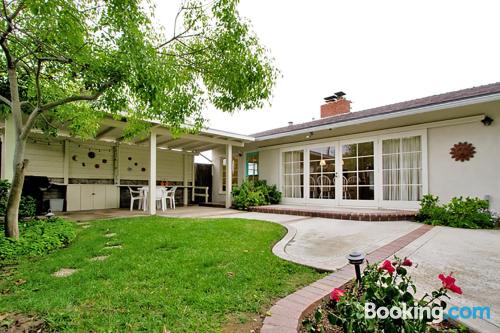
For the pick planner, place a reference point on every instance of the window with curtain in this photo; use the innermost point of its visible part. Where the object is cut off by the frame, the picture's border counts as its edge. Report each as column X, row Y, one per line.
column 293, row 174
column 253, row 166
column 234, row 173
column 402, row 168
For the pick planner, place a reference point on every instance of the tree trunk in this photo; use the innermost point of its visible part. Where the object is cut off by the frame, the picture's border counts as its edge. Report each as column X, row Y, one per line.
column 12, row 214
column 19, row 165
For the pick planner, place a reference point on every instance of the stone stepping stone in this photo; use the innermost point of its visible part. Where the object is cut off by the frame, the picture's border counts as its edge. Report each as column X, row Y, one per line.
column 85, row 226
column 99, row 258
column 109, row 235
column 109, row 247
column 64, row 272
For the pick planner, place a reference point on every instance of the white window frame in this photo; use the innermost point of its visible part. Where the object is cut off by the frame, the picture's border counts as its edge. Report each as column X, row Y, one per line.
column 305, row 171
column 398, row 204
column 353, row 202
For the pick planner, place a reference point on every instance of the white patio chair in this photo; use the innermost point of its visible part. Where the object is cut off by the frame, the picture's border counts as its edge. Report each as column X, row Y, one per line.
column 136, row 195
column 324, row 183
column 170, row 196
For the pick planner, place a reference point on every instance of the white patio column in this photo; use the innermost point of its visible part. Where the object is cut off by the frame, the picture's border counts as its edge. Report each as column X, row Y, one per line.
column 152, row 173
column 8, row 145
column 185, row 179
column 229, row 174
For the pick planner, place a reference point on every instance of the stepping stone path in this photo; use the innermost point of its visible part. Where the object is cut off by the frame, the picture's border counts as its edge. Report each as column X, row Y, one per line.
column 99, row 258
column 109, row 235
column 85, row 226
column 63, row 272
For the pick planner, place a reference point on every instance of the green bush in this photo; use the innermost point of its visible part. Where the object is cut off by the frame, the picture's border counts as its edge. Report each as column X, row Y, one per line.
column 27, row 206
column 255, row 193
column 37, row 237
column 472, row 213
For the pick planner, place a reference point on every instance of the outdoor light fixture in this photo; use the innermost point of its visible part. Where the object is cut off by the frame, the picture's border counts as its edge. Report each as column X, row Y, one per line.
column 322, row 162
column 356, row 258
column 487, row 121
column 309, row 135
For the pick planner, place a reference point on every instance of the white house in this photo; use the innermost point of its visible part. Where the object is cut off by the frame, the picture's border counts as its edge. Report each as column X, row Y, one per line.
column 386, row 157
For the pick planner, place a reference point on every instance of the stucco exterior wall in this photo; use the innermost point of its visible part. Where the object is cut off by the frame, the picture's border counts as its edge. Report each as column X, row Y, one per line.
column 269, row 166
column 479, row 177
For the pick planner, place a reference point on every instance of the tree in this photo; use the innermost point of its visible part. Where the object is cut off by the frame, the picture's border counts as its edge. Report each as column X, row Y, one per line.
column 68, row 63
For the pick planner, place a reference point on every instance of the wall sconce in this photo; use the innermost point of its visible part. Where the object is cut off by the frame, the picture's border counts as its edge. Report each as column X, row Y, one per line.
column 309, row 135
column 322, row 162
column 487, row 121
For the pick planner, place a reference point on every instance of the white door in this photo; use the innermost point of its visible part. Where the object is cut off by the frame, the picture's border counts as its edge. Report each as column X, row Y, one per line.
column 356, row 187
column 99, row 196
column 86, row 197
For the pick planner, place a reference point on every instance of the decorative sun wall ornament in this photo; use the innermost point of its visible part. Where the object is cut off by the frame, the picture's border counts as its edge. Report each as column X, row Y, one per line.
column 462, row 151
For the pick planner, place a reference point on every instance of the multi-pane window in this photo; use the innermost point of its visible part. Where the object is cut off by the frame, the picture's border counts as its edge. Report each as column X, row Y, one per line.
column 322, row 173
column 253, row 166
column 293, row 174
column 358, row 171
column 234, row 173
column 402, row 169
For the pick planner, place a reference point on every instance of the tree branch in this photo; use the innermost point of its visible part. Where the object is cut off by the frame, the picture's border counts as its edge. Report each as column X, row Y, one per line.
column 48, row 106
column 5, row 100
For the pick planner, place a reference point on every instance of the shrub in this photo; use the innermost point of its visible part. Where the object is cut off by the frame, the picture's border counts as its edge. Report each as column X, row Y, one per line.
column 255, row 193
column 27, row 206
column 388, row 285
column 472, row 213
column 37, row 237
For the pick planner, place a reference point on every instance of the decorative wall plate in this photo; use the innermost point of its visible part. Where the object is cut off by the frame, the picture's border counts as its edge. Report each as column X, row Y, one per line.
column 462, row 151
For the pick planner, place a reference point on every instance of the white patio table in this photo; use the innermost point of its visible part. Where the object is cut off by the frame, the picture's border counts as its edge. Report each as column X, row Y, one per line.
column 160, row 195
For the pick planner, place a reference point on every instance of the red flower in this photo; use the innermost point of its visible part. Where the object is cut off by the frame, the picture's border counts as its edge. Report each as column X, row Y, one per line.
column 449, row 283
column 387, row 266
column 336, row 294
column 407, row 262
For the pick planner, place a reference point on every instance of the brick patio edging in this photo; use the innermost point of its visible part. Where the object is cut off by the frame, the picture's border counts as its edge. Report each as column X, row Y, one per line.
column 287, row 313
column 339, row 215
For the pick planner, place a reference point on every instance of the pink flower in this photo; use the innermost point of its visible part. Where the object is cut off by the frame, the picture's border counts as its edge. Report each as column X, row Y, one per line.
column 407, row 262
column 336, row 294
column 387, row 266
column 449, row 283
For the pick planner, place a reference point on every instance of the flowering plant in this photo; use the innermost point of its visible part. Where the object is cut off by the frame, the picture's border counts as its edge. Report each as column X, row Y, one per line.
column 385, row 285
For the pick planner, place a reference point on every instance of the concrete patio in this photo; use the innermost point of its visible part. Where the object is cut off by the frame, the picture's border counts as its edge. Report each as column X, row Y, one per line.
column 183, row 211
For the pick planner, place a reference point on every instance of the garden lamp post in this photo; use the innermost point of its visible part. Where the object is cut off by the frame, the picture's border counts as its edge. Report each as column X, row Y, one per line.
column 356, row 258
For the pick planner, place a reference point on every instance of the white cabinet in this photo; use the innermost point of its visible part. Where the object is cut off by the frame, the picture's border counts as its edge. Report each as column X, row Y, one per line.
column 92, row 196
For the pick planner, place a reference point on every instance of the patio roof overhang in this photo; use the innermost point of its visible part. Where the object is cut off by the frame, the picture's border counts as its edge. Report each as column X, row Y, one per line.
column 206, row 139
column 111, row 130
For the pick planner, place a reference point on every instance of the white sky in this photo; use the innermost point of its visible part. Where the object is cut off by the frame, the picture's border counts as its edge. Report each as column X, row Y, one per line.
column 377, row 52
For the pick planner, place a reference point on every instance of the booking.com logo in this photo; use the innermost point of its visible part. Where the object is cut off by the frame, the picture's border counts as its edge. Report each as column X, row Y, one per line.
column 437, row 314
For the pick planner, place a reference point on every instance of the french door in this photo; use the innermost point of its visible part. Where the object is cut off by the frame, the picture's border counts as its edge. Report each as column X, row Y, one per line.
column 383, row 171
column 356, row 181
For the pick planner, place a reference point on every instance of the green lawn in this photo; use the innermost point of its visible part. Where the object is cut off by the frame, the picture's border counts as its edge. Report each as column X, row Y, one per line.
column 189, row 275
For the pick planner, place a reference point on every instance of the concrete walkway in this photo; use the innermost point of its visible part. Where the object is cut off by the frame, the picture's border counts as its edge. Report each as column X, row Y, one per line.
column 324, row 243
column 474, row 258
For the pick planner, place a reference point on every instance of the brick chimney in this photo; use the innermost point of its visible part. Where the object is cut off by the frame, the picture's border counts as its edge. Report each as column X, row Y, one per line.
column 335, row 105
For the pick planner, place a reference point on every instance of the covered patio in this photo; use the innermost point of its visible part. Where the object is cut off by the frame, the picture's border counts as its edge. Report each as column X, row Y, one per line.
column 88, row 175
